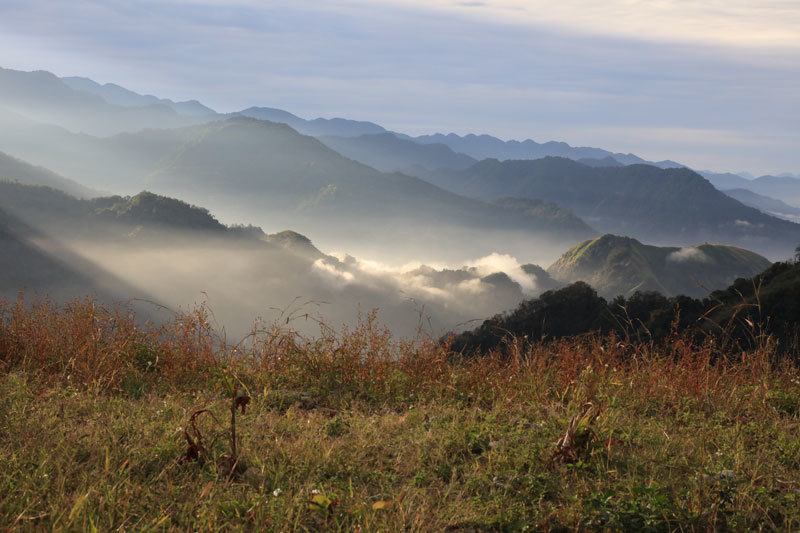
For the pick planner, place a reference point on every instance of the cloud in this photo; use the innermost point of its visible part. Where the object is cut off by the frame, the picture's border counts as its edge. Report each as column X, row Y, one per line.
column 571, row 71
column 739, row 23
column 506, row 264
column 691, row 254
column 450, row 285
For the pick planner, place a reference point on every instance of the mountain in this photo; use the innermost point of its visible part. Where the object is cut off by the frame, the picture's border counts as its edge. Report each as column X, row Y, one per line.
column 786, row 186
column 726, row 181
column 389, row 153
column 44, row 97
column 663, row 206
column 487, row 147
column 114, row 94
column 620, row 265
column 607, row 161
column 317, row 127
column 269, row 168
column 57, row 214
column 554, row 215
column 13, row 169
column 117, row 163
column 765, row 204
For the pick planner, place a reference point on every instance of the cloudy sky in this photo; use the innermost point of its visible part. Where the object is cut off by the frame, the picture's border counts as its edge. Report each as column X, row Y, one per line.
column 713, row 84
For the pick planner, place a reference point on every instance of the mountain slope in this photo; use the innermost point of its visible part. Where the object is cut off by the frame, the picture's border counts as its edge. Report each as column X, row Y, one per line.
column 785, row 187
column 620, row 265
column 14, row 169
column 765, row 204
column 388, row 153
column 35, row 264
column 671, row 206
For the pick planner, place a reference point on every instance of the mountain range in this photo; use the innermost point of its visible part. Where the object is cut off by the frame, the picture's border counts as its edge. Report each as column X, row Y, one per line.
column 665, row 206
column 129, row 168
column 268, row 174
column 488, row 147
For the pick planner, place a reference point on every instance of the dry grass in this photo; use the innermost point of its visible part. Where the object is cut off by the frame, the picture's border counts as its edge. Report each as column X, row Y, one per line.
column 93, row 408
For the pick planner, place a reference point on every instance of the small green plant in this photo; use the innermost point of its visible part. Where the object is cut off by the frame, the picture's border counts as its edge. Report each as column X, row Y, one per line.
column 575, row 444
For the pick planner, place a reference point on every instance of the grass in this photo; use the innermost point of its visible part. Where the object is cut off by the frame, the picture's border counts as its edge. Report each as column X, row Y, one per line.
column 356, row 431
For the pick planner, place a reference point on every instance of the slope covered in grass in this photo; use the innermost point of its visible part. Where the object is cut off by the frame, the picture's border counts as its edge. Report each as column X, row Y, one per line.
column 357, row 431
column 620, row 265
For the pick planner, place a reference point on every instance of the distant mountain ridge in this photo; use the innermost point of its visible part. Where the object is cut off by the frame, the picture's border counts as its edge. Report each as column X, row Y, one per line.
column 44, row 97
column 785, row 188
column 316, row 127
column 487, row 147
column 83, row 105
column 117, row 95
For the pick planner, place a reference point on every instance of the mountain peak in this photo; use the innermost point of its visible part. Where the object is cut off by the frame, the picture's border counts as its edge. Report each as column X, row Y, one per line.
column 622, row 265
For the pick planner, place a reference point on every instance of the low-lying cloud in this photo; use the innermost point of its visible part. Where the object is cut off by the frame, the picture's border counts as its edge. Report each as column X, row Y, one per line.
column 241, row 283
column 689, row 254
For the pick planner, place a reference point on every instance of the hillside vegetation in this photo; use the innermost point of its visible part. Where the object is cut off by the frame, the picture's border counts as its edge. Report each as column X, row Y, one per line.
column 739, row 317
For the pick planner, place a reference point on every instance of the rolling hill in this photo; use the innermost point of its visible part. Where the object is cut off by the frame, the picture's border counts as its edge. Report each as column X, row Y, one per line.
column 620, row 265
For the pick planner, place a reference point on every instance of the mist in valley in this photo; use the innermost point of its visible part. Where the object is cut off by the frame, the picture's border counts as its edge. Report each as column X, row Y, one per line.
column 243, row 276
column 245, row 283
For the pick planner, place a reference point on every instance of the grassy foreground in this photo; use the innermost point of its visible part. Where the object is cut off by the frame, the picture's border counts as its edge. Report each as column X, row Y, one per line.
column 355, row 431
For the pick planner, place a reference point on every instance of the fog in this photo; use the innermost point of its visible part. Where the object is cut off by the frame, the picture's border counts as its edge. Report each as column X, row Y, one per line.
column 244, row 282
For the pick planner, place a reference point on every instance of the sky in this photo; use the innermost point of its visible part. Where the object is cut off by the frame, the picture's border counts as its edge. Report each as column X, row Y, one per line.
column 712, row 84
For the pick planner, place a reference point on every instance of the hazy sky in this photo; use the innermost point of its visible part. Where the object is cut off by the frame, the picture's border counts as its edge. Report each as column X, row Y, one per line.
column 712, row 84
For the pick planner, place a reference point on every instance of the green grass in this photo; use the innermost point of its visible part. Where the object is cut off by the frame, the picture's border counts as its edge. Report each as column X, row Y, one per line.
column 354, row 418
